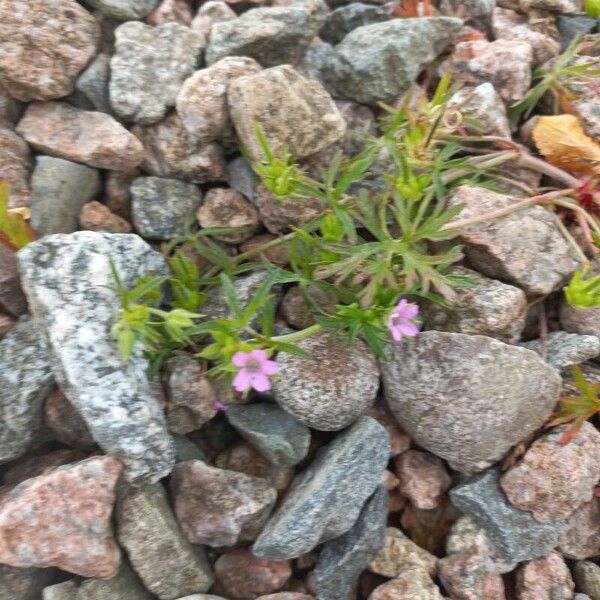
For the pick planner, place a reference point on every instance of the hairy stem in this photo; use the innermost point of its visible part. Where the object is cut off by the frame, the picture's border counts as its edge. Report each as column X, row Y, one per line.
column 298, row 335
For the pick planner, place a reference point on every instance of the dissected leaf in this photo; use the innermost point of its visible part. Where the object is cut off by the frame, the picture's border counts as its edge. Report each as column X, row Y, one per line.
column 563, row 143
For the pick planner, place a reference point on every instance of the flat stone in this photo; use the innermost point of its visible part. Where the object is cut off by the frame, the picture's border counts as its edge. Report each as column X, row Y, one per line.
column 15, row 164
column 324, row 501
column 412, row 584
column 569, row 27
column 524, row 248
column 379, row 62
column 468, row 398
column 124, row 10
column 44, row 46
column 295, row 113
column 278, row 435
column 25, row 380
column 583, row 538
column 89, row 137
column 211, row 12
column 161, row 208
column 72, row 505
column 23, row 584
column 92, row 84
column 219, row 507
column 59, row 189
column 343, row 377
column 341, row 21
column 516, row 534
column 124, row 585
column 66, row 424
column 12, row 299
column 563, row 350
column 545, row 577
column 95, row 216
column 587, row 578
column 73, row 315
column 342, row 560
column 148, row 59
column 162, row 557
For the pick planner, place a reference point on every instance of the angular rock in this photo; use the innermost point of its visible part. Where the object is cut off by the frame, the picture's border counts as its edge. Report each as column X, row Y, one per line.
column 162, row 557
column 583, row 538
column 515, row 533
column 524, row 248
column 587, row 578
column 412, row 584
column 341, row 21
column 545, row 577
column 563, row 350
column 468, row 398
column 72, row 505
column 178, row 11
column 43, row 46
column 211, row 12
column 89, row 137
column 554, row 479
column 343, row 377
column 241, row 177
column 161, row 208
column 74, row 314
column 61, row 591
column 588, row 112
column 314, row 61
column 218, row 507
column 553, row 6
column 25, row 380
column 278, row 435
column 124, row 10
column 15, row 164
column 59, row 189
column 65, row 422
column 124, row 585
column 400, row 442
column 569, row 27
column 12, row 299
column 116, row 191
column 325, row 500
column 95, row 216
column 578, row 320
column 149, row 66
column 379, row 62
column 92, row 84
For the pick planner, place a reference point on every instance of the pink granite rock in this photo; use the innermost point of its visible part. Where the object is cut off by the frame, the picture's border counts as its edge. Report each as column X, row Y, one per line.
column 116, row 191
column 423, row 478
column 211, row 12
column 411, row 584
column 545, row 577
column 168, row 11
column 65, row 422
column 583, row 538
column 400, row 441
column 96, row 216
column 15, row 165
column 62, row 519
column 10, row 109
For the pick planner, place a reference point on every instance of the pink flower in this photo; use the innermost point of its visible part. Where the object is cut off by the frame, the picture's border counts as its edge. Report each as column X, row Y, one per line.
column 219, row 406
column 401, row 321
column 254, row 370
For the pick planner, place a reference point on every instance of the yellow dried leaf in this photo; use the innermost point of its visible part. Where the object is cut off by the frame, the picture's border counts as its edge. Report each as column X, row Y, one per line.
column 563, row 143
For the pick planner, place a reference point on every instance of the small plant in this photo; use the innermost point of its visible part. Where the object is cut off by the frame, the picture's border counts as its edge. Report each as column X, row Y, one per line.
column 15, row 233
column 592, row 8
column 583, row 292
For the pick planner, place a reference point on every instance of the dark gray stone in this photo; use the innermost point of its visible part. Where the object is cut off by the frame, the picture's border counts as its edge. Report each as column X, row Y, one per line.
column 74, row 313
column 61, row 591
column 92, row 84
column 324, row 501
column 342, row 560
column 278, row 435
column 515, row 533
column 124, row 10
column 185, row 449
column 59, row 189
column 241, row 177
column 25, row 381
column 569, row 27
column 125, row 585
column 313, row 62
column 562, row 350
column 587, row 577
column 342, row 20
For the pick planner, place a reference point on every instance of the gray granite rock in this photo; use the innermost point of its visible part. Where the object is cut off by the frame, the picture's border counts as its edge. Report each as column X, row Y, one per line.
column 569, row 27
column 23, row 584
column 379, row 62
column 278, row 435
column 581, row 597
column 562, row 350
column 324, row 501
column 125, row 585
column 162, row 207
column 515, row 533
column 149, row 66
column 241, row 177
column 165, row 561
column 73, row 313
column 468, row 398
column 342, row 560
column 124, row 10
column 92, row 84
column 25, row 381
column 59, row 189
column 342, row 20
column 313, row 62
column 60, row 591
column 587, row 578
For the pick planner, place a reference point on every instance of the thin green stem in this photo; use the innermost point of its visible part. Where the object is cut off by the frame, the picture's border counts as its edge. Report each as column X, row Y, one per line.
column 298, row 335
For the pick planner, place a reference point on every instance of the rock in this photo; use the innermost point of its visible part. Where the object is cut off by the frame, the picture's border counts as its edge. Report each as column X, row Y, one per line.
column 398, row 553
column 170, row 151
column 148, row 59
column 563, row 350
column 191, row 397
column 314, row 61
column 59, row 189
column 92, row 138
column 399, row 441
column 280, row 437
column 65, row 422
column 379, row 62
column 286, row 596
column 61, row 591
column 116, row 191
column 23, row 584
column 506, row 64
column 582, row 540
column 343, row 377
column 545, row 577
column 554, row 479
column 72, row 505
column 578, row 320
column 341, row 21
column 273, row 35
column 203, row 597
column 6, row 324
column 92, row 84
column 243, row 576
column 209, row 13
column 581, row 597
column 569, row 27
column 468, row 398
column 516, row 534
column 29, row 466
column 278, row 254
column 423, row 478
column 553, row 6
column 298, row 306
column 25, row 380
column 12, row 299
column 73, row 314
column 95, row 216
column 343, row 559
column 165, row 561
column 325, row 500
column 241, row 177
column 44, row 46
column 524, row 248
column 10, row 109
column 510, row 25
column 296, row 114
column 15, row 164
column 218, row 507
column 223, row 207
column 483, row 104
column 588, row 112
column 124, row 10
column 412, row 584
column 202, row 100
column 167, row 11
column 587, row 578
column 161, row 208
column 124, row 585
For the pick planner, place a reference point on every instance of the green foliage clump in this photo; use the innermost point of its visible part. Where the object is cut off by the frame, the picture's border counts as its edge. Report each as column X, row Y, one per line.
column 583, row 292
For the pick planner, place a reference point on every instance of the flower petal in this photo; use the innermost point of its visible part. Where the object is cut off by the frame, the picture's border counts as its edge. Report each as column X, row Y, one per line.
column 410, row 311
column 396, row 333
column 258, row 355
column 260, row 382
column 269, row 367
column 242, row 381
column 240, row 359
column 408, row 328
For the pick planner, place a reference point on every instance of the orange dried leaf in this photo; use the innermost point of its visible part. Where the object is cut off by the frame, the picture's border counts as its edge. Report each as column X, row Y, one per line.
column 563, row 143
